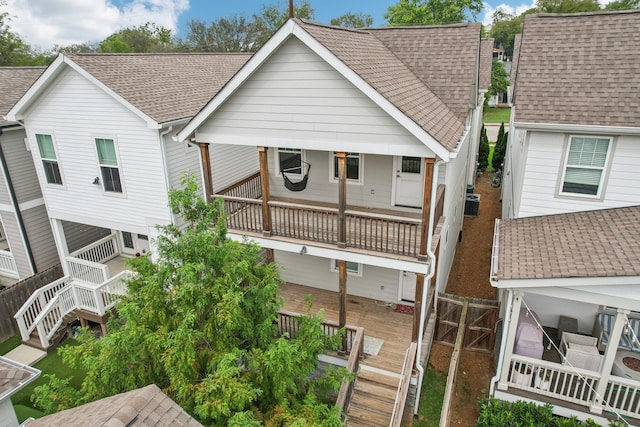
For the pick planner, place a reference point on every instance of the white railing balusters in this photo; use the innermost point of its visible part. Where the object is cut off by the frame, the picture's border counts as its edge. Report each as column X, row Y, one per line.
column 87, row 271
column 30, row 310
column 8, row 264
column 100, row 251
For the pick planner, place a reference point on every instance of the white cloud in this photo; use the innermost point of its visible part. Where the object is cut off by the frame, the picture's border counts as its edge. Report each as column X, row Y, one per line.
column 43, row 24
column 489, row 10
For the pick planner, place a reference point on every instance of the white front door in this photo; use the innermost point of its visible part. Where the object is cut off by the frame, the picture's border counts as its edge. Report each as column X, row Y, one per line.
column 408, row 286
column 408, row 182
column 133, row 244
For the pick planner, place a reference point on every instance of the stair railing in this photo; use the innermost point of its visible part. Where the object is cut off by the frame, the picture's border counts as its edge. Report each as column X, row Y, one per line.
column 403, row 387
column 28, row 313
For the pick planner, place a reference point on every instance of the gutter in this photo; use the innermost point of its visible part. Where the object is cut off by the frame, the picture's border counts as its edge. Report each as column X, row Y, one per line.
column 432, row 271
column 14, row 202
column 166, row 166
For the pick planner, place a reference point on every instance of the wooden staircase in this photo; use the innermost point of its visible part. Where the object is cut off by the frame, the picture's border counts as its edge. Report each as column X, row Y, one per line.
column 373, row 398
column 61, row 333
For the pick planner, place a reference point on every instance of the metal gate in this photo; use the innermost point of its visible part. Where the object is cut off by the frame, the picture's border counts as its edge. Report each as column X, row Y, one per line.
column 480, row 330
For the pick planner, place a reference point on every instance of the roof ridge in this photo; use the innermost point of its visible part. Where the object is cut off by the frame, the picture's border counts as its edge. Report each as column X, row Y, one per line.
column 132, row 54
column 23, row 67
column 425, row 27
column 333, row 27
column 585, row 14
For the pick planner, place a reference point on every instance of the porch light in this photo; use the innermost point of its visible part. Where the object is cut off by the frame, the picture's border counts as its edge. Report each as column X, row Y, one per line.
column 96, row 180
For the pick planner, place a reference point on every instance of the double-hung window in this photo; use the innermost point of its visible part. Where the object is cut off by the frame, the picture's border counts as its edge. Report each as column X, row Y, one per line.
column 585, row 165
column 49, row 159
column 353, row 268
column 354, row 165
column 108, row 165
column 290, row 161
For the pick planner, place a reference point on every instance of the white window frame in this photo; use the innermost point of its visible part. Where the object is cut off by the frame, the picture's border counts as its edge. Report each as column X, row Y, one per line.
column 289, row 150
column 603, row 169
column 42, row 160
column 333, row 266
column 333, row 172
column 118, row 166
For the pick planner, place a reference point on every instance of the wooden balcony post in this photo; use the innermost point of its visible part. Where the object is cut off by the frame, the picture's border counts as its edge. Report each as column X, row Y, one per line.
column 426, row 207
column 342, row 321
column 417, row 307
column 342, row 198
column 264, row 182
column 206, row 169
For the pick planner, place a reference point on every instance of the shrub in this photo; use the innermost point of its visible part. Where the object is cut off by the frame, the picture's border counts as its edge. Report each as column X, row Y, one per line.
column 483, row 150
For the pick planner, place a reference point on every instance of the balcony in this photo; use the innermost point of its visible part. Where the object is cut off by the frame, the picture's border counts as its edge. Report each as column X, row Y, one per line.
column 384, row 231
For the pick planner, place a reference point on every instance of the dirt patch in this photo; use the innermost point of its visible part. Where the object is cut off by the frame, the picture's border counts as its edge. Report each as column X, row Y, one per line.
column 470, row 277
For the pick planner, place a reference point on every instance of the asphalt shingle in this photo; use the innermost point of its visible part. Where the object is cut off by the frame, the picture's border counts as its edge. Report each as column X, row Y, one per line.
column 15, row 82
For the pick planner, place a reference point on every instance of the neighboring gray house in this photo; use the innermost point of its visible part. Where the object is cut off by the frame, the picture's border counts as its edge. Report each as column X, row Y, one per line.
column 26, row 243
column 568, row 246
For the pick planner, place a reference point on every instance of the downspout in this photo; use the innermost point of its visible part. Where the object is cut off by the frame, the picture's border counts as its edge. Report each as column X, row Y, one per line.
column 14, row 202
column 166, row 165
column 503, row 340
column 432, row 271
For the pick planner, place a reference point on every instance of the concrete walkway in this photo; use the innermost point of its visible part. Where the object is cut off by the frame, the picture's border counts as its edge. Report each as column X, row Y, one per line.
column 26, row 355
column 492, row 130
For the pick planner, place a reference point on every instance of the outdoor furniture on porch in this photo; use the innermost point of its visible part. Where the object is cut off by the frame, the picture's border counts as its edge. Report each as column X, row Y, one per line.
column 604, row 324
column 581, row 351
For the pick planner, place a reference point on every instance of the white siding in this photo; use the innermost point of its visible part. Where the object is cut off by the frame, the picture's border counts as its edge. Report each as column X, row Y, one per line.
column 20, row 165
column 75, row 112
column 232, row 163
column 515, row 160
column 182, row 158
column 550, row 309
column 43, row 246
column 296, row 99
column 314, row 271
column 16, row 244
column 543, row 170
column 78, row 236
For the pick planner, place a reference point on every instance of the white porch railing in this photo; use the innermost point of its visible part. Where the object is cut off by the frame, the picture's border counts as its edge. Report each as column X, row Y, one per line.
column 87, row 271
column 8, row 265
column 100, row 251
column 574, row 385
column 77, row 295
column 26, row 316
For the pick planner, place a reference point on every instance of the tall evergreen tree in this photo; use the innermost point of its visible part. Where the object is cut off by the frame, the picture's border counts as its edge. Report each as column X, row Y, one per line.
column 483, row 150
column 500, row 148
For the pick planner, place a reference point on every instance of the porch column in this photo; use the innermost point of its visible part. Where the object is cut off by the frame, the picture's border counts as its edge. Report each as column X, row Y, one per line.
column 426, row 207
column 511, row 324
column 342, row 198
column 417, row 307
column 609, row 357
column 264, row 183
column 61, row 244
column 342, row 320
column 206, row 170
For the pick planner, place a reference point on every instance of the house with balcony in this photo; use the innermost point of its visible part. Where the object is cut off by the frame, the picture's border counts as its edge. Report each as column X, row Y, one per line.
column 100, row 128
column 26, row 241
column 566, row 251
column 363, row 138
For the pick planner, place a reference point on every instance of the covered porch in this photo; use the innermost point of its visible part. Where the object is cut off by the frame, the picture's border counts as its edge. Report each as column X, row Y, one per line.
column 580, row 371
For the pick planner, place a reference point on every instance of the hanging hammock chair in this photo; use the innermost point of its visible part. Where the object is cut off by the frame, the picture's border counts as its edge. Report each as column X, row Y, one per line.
column 296, row 186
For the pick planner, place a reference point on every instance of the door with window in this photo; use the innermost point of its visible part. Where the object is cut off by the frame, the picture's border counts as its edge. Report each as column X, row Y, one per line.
column 408, row 286
column 408, row 181
column 134, row 244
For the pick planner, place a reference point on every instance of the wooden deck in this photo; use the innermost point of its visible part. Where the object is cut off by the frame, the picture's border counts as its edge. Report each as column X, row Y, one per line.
column 377, row 319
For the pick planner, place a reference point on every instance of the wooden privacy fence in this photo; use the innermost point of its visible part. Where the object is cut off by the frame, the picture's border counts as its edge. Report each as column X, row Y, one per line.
column 12, row 298
column 480, row 331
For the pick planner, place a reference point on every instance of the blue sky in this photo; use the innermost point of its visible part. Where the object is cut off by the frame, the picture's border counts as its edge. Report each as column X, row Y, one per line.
column 45, row 23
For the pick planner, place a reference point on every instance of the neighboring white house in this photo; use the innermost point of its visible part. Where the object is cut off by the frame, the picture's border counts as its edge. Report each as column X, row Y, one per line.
column 568, row 246
column 372, row 130
column 13, row 377
column 26, row 241
column 100, row 129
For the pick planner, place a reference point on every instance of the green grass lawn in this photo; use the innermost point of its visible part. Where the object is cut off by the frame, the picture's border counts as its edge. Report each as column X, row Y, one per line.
column 431, row 398
column 52, row 364
column 492, row 148
column 496, row 115
column 7, row 345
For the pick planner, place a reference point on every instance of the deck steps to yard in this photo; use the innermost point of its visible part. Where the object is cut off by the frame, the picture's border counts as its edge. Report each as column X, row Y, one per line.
column 58, row 337
column 373, row 398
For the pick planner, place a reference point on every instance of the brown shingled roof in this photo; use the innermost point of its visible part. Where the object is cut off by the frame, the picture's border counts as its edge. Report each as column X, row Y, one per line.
column 166, row 87
column 390, row 61
column 144, row 407
column 514, row 64
column 602, row 243
column 14, row 82
column 13, row 376
column 580, row 69
column 486, row 62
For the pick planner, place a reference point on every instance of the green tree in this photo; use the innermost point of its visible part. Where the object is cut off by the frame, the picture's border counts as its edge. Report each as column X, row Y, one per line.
column 567, row 6
column 199, row 323
column 271, row 17
column 147, row 38
column 623, row 5
column 504, row 29
column 235, row 33
column 432, row 12
column 353, row 20
column 13, row 50
column 483, row 150
column 500, row 148
column 499, row 78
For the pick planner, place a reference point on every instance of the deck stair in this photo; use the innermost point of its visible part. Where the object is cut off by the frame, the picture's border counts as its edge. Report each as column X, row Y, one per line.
column 59, row 335
column 373, row 398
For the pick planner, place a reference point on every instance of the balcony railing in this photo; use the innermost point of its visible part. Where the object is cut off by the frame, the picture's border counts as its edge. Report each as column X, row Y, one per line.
column 28, row 313
column 88, row 263
column 8, row 265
